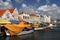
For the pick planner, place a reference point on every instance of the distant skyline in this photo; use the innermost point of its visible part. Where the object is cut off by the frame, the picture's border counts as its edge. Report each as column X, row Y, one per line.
column 50, row 7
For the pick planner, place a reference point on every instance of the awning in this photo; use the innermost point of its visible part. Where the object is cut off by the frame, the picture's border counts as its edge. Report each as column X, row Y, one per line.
column 4, row 21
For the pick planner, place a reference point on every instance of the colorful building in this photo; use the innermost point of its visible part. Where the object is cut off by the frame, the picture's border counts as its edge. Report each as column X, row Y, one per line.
column 9, row 14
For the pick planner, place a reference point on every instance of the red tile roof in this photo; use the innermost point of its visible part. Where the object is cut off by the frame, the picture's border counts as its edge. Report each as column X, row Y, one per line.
column 11, row 10
column 2, row 12
column 32, row 14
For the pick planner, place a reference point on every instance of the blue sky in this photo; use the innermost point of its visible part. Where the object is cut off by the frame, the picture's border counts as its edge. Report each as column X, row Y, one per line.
column 50, row 7
column 36, row 3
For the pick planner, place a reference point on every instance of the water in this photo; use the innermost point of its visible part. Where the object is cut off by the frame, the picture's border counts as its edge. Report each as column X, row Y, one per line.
column 38, row 35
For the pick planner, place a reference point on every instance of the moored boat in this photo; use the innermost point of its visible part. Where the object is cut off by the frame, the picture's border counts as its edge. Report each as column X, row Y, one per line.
column 21, row 33
column 17, row 29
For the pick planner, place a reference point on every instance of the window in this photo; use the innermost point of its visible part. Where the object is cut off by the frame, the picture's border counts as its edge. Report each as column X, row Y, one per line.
column 7, row 15
column 25, row 17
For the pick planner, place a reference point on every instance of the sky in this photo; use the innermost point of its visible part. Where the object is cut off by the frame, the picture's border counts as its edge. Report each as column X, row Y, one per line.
column 50, row 7
column 32, row 3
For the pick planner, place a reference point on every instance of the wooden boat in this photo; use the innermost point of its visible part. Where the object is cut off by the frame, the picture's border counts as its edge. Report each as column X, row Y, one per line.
column 21, row 33
column 17, row 29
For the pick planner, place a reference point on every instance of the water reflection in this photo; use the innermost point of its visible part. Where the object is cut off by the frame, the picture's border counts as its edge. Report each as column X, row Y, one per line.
column 2, row 38
column 13, row 38
column 22, row 37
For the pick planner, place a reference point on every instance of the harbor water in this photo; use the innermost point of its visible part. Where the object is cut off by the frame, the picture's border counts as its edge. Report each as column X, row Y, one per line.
column 38, row 35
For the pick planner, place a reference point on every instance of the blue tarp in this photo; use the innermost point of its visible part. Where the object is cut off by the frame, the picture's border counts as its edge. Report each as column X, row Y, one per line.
column 14, row 21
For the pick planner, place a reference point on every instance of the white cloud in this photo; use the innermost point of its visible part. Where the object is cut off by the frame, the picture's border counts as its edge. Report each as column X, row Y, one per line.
column 44, row 8
column 27, row 8
column 5, row 5
column 54, row 5
column 48, row 7
column 52, row 10
column 24, row 5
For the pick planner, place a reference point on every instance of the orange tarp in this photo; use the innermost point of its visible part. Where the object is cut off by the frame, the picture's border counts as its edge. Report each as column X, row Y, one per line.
column 16, row 28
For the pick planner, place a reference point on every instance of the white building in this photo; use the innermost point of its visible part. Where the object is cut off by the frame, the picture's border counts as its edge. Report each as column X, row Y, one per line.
column 47, row 19
column 24, row 16
column 35, row 17
column 7, row 15
column 14, row 13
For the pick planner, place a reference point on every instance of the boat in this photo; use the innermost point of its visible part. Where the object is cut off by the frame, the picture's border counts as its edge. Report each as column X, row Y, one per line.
column 17, row 29
column 40, row 28
column 50, row 26
column 21, row 33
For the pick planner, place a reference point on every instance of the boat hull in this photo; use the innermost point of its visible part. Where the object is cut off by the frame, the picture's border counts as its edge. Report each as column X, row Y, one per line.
column 21, row 33
column 40, row 28
column 51, row 26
